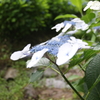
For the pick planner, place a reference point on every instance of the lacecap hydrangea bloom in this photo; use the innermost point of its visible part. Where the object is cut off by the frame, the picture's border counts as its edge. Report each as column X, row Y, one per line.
column 64, row 47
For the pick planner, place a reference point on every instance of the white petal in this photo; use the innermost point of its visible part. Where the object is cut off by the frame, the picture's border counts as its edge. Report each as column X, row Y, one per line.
column 55, row 39
column 63, row 49
column 76, row 20
column 88, row 5
column 72, row 32
column 58, row 26
column 36, row 57
column 73, row 40
column 26, row 48
column 60, row 34
column 21, row 54
column 68, row 54
column 66, row 27
column 96, row 5
column 16, row 55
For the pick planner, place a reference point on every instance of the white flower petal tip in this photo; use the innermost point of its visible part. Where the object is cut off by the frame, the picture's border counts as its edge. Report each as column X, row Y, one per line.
column 27, row 47
column 21, row 54
column 16, row 55
column 36, row 57
column 68, row 25
column 89, row 4
column 58, row 26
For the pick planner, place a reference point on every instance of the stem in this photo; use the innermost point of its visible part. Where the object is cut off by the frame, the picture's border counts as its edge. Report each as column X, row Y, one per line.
column 69, row 83
column 81, row 13
column 66, row 79
column 81, row 68
column 54, row 70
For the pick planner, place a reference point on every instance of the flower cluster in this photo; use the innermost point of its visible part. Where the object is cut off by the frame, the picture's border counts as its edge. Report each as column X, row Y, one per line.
column 77, row 23
column 94, row 5
column 64, row 47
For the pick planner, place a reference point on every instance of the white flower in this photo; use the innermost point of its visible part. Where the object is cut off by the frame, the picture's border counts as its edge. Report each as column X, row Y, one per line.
column 58, row 26
column 80, row 24
column 21, row 54
column 76, row 22
column 94, row 5
column 36, row 57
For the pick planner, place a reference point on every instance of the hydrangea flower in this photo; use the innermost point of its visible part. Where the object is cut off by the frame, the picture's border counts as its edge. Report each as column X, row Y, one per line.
column 77, row 23
column 64, row 47
column 94, row 5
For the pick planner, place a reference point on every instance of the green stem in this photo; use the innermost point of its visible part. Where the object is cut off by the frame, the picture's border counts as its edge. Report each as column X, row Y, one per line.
column 93, row 38
column 54, row 70
column 70, row 83
column 81, row 68
column 81, row 13
column 66, row 79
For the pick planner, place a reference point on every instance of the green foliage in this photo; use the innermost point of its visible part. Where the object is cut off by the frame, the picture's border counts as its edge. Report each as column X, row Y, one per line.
column 93, row 79
column 89, row 17
column 42, row 62
column 36, row 76
column 66, row 16
column 60, row 7
column 21, row 17
column 83, row 56
column 13, row 90
column 78, row 4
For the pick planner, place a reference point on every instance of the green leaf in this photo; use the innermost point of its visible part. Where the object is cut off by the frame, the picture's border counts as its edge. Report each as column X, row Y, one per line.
column 97, row 47
column 54, row 67
column 66, row 16
column 35, row 76
column 86, row 55
column 89, row 53
column 73, row 77
column 89, row 17
column 95, row 24
column 78, row 4
column 95, row 83
column 76, row 60
column 92, row 79
column 42, row 62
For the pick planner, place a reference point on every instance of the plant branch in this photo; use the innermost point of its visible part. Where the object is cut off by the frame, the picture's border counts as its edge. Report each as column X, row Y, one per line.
column 66, row 78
